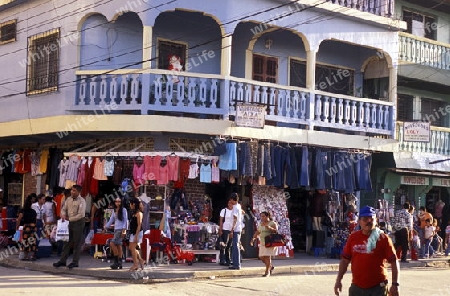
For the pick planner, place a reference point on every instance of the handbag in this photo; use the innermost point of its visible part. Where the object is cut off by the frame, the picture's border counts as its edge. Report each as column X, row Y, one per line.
column 275, row 240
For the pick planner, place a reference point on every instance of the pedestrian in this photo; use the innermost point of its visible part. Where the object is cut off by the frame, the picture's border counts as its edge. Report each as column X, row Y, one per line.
column 429, row 232
column 402, row 226
column 49, row 215
column 136, row 234
column 235, row 233
column 265, row 228
column 120, row 219
column 423, row 216
column 74, row 209
column 447, row 238
column 367, row 250
column 27, row 219
column 38, row 206
column 225, row 224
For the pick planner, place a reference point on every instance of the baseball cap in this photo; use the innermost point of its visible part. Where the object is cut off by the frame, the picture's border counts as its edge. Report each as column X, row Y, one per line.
column 367, row 212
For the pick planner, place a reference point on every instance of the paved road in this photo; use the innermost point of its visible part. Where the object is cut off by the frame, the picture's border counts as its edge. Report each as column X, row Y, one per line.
column 420, row 281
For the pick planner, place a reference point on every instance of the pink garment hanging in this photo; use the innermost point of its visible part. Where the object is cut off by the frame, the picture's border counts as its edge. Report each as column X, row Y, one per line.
column 151, row 167
column 173, row 162
column 99, row 172
column 138, row 174
column 82, row 172
column 215, row 172
column 163, row 175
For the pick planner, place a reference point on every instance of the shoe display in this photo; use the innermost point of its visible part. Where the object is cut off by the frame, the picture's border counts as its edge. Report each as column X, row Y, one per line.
column 72, row 265
column 58, row 264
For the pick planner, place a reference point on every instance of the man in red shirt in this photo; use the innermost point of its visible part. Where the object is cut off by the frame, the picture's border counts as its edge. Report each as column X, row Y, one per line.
column 367, row 250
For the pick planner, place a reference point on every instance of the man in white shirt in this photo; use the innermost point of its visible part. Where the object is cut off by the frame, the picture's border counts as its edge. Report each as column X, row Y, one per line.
column 38, row 207
column 236, row 231
column 225, row 224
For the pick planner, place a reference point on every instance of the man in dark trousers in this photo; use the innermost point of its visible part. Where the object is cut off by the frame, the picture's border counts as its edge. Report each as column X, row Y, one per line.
column 73, row 210
column 402, row 223
column 367, row 249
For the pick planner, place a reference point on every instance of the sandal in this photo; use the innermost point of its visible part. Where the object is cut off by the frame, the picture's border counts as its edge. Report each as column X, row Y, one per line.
column 133, row 268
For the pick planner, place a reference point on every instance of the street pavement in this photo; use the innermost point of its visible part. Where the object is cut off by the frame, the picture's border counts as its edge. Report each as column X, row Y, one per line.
column 301, row 263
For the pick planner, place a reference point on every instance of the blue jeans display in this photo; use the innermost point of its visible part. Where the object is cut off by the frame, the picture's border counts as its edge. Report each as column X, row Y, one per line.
column 236, row 252
column 306, row 167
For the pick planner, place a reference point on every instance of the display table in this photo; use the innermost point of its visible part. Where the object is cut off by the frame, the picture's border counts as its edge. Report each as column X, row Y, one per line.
column 100, row 239
column 206, row 252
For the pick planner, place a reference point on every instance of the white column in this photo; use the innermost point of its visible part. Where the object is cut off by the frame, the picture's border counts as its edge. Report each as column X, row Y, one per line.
column 225, row 63
column 311, row 69
column 393, row 84
column 147, row 47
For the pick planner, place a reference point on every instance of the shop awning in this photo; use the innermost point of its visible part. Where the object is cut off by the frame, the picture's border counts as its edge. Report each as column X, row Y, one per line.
column 420, row 172
column 419, row 161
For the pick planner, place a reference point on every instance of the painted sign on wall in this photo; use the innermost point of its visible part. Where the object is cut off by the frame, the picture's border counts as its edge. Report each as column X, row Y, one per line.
column 414, row 180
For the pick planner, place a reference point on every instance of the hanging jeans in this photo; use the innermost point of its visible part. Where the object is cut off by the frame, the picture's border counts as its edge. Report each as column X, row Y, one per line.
column 178, row 196
column 278, row 161
column 304, row 175
column 294, row 178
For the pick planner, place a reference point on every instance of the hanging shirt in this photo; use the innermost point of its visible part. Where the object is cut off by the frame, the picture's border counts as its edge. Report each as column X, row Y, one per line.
column 35, row 163
column 82, row 172
column 205, row 173
column 215, row 172
column 99, row 173
column 173, row 164
column 193, row 171
column 43, row 160
column 138, row 174
column 152, row 167
column 184, row 165
column 108, row 167
column 163, row 175
column 72, row 170
column 63, row 167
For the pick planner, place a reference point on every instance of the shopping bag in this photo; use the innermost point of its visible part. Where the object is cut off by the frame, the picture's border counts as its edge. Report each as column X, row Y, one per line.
column 16, row 236
column 62, row 231
column 89, row 237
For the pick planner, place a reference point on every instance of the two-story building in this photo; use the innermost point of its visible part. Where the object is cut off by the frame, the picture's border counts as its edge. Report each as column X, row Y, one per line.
column 417, row 172
column 107, row 76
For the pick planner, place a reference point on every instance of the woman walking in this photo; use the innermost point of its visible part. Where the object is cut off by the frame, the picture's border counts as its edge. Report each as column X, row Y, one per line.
column 120, row 219
column 136, row 233
column 265, row 228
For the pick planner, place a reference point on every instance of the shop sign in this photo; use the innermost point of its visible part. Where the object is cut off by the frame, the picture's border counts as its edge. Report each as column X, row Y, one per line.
column 441, row 182
column 414, row 180
column 248, row 115
column 417, row 131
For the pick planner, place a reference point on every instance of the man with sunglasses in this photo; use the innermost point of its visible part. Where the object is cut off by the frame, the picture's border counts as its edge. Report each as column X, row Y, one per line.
column 368, row 249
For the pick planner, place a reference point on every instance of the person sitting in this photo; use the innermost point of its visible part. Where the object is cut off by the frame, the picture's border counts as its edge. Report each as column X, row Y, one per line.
column 437, row 239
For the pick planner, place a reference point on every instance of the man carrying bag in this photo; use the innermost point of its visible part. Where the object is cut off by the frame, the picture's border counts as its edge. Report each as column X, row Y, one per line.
column 73, row 210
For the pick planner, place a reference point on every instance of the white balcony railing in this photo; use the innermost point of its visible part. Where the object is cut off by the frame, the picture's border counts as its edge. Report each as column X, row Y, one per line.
column 204, row 94
column 378, row 7
column 439, row 141
column 424, row 51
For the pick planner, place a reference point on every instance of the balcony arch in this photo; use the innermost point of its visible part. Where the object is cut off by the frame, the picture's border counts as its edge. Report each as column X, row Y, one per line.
column 111, row 44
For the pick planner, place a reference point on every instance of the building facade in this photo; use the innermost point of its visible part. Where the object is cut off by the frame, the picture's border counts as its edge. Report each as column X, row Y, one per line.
column 107, row 76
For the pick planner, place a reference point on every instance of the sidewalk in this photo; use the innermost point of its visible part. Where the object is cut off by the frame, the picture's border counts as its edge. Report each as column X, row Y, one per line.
column 300, row 264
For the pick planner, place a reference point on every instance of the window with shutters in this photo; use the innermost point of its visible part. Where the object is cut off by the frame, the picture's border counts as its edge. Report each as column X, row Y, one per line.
column 420, row 25
column 43, row 62
column 405, row 107
column 166, row 49
column 429, row 111
column 8, row 31
column 265, row 68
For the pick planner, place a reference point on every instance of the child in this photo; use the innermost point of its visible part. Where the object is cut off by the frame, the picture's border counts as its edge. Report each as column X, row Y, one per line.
column 447, row 238
column 437, row 240
column 428, row 234
column 415, row 245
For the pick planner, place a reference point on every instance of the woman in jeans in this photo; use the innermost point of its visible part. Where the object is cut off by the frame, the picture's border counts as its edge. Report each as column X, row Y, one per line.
column 265, row 228
column 120, row 219
column 136, row 234
column 226, row 221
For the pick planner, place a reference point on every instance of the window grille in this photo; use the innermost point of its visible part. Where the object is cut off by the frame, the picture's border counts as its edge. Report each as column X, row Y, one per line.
column 43, row 62
column 8, row 32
